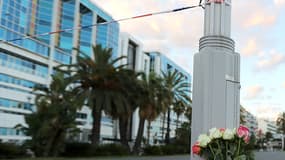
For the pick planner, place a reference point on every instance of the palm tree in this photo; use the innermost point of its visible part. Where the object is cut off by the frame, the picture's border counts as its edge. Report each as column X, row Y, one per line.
column 151, row 104
column 179, row 108
column 130, row 89
column 188, row 113
column 178, row 89
column 101, row 81
column 55, row 115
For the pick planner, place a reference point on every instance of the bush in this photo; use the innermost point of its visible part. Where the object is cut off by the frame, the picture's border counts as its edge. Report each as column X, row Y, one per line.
column 88, row 150
column 174, row 149
column 111, row 149
column 152, row 150
column 171, row 149
column 77, row 150
column 9, row 150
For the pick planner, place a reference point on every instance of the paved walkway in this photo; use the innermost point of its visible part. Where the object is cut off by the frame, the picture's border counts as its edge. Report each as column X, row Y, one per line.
column 258, row 156
column 270, row 155
column 178, row 157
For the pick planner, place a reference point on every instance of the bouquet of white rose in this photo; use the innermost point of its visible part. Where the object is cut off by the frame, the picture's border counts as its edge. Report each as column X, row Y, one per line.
column 223, row 144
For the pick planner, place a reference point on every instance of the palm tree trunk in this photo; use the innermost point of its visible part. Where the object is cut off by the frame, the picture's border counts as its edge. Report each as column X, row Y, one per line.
column 57, row 144
column 137, row 145
column 148, row 131
column 177, row 122
column 167, row 135
column 123, row 128
column 96, row 128
column 163, row 125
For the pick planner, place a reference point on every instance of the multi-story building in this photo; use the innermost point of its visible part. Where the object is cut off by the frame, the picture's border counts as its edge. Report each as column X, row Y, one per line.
column 30, row 61
column 266, row 125
column 160, row 63
column 250, row 121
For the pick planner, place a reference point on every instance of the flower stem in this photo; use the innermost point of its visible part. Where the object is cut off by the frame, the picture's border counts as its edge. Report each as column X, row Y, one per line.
column 213, row 153
column 220, row 150
column 226, row 150
column 238, row 147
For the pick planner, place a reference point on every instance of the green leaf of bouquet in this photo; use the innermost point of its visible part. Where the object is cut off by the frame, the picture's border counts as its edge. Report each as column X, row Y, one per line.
column 241, row 157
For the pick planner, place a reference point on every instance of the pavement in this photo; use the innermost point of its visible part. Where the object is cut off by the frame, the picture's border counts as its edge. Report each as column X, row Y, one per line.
column 270, row 155
column 258, row 156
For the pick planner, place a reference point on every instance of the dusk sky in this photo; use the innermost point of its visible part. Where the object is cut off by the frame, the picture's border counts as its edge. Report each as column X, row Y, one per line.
column 257, row 28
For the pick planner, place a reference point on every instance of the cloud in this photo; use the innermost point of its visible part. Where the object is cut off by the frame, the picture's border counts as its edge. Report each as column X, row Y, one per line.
column 251, row 48
column 253, row 13
column 175, row 30
column 253, row 92
column 272, row 60
column 260, row 18
column 279, row 2
column 283, row 85
column 269, row 111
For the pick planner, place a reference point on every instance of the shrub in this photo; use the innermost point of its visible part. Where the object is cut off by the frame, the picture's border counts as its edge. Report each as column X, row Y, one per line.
column 9, row 150
column 174, row 149
column 152, row 150
column 88, row 150
column 77, row 150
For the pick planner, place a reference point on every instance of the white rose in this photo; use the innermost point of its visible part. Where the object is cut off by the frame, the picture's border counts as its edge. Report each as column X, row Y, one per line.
column 203, row 140
column 229, row 134
column 215, row 133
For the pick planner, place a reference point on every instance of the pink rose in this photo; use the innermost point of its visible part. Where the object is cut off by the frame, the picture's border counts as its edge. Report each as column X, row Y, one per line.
column 246, row 139
column 243, row 132
column 222, row 130
column 196, row 148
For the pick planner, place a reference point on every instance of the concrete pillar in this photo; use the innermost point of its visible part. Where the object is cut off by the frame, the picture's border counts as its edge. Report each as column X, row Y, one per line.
column 216, row 80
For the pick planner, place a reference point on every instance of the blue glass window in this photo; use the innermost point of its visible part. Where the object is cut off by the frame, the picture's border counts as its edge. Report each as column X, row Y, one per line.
column 10, row 132
column 67, row 20
column 44, row 19
column 23, row 65
column 16, row 104
column 62, row 57
column 13, row 80
column 86, row 18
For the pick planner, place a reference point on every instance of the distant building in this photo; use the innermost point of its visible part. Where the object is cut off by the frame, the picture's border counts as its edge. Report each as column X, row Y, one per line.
column 266, row 125
column 26, row 63
column 250, row 121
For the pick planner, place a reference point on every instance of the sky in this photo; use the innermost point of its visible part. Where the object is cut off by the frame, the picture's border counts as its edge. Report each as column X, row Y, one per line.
column 257, row 29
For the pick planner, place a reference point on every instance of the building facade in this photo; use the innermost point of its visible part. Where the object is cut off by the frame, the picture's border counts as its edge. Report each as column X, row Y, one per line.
column 250, row 121
column 266, row 125
column 27, row 62
column 157, row 129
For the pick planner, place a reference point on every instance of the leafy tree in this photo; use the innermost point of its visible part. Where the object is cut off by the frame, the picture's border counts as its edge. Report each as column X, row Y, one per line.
column 268, row 136
column 177, row 89
column 54, row 117
column 152, row 102
column 242, row 115
column 102, row 81
column 281, row 123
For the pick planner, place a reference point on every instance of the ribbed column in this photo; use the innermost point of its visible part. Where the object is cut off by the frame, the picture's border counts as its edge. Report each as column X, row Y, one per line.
column 216, row 75
column 217, row 41
column 217, row 19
